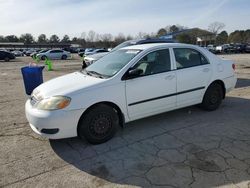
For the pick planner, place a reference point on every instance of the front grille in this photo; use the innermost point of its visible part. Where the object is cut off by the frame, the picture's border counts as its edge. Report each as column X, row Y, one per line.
column 33, row 101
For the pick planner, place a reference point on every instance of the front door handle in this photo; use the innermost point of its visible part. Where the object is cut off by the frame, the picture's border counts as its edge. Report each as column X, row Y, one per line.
column 169, row 77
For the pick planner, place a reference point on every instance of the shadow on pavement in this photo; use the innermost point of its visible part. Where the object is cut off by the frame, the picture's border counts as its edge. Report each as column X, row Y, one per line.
column 242, row 82
column 179, row 148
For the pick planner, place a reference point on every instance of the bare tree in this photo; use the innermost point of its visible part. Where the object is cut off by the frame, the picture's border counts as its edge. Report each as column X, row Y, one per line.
column 120, row 38
column 91, row 36
column 107, row 37
column 83, row 35
column 141, row 35
column 215, row 27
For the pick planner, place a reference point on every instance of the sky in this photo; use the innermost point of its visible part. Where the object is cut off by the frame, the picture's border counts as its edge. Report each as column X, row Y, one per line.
column 73, row 17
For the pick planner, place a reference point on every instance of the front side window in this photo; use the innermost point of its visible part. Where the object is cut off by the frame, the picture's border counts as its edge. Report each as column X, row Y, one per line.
column 154, row 62
column 55, row 51
column 186, row 57
column 112, row 63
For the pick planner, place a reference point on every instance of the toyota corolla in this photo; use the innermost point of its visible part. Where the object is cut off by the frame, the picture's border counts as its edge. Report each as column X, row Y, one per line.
column 128, row 84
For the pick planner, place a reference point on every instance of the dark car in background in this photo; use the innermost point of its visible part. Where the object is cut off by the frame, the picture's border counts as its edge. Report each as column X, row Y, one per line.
column 6, row 56
column 29, row 52
column 247, row 48
column 33, row 55
column 87, row 50
column 240, row 48
column 88, row 60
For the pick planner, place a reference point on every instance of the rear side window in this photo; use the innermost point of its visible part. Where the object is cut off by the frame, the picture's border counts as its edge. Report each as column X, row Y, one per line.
column 186, row 57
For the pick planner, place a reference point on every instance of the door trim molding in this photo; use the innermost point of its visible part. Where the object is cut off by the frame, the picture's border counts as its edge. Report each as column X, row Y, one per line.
column 165, row 96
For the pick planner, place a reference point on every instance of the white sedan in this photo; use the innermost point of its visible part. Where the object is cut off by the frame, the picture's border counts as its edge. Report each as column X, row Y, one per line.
column 128, row 84
column 53, row 54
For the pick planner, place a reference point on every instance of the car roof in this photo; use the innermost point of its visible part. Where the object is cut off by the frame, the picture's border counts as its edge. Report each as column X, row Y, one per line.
column 151, row 45
column 150, row 40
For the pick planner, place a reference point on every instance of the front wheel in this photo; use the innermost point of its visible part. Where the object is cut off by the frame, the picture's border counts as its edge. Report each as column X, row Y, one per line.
column 43, row 57
column 212, row 98
column 99, row 124
column 64, row 57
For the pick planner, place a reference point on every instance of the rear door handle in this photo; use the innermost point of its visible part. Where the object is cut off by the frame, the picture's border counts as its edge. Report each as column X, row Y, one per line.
column 206, row 70
column 169, row 77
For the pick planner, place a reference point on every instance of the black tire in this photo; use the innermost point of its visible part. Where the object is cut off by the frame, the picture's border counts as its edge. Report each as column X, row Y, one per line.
column 213, row 97
column 7, row 59
column 43, row 57
column 84, row 65
column 99, row 124
column 64, row 57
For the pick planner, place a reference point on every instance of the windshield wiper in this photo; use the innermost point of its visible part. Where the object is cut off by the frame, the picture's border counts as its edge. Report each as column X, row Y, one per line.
column 96, row 74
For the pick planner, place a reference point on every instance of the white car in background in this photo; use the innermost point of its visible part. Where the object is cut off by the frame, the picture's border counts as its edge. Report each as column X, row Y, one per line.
column 17, row 53
column 128, row 84
column 53, row 54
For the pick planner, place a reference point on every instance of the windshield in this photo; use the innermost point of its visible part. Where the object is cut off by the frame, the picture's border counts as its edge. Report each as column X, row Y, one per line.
column 42, row 51
column 112, row 63
column 124, row 44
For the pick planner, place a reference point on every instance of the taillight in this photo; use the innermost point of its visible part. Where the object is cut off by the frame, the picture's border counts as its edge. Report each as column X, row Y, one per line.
column 233, row 66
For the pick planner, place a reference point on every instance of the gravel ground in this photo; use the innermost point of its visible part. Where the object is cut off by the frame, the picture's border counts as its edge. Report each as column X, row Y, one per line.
column 183, row 148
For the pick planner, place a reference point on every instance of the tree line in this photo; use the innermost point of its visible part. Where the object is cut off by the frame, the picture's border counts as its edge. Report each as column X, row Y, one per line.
column 93, row 39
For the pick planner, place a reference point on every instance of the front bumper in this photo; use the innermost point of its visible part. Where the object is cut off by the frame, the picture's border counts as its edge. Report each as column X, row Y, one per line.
column 64, row 121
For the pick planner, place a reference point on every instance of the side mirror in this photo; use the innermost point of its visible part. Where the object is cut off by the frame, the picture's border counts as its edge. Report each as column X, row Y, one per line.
column 133, row 73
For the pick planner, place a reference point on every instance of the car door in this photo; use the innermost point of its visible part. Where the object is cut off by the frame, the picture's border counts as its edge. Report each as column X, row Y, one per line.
column 51, row 54
column 193, row 74
column 153, row 90
column 58, row 54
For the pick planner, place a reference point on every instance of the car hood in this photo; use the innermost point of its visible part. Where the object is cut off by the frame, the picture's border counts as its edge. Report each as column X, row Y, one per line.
column 66, row 85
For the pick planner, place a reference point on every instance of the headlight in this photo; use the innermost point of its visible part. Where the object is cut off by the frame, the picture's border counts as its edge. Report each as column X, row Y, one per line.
column 53, row 103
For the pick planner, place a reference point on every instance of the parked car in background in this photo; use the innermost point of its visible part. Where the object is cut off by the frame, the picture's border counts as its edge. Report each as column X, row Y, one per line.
column 54, row 54
column 211, row 48
column 33, row 55
column 88, row 60
column 30, row 51
column 6, row 56
column 128, row 84
column 223, row 48
column 80, row 50
column 17, row 53
column 96, row 51
column 247, row 48
column 230, row 48
column 240, row 48
column 87, row 50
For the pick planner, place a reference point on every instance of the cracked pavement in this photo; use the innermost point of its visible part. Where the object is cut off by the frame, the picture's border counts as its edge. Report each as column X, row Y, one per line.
column 183, row 148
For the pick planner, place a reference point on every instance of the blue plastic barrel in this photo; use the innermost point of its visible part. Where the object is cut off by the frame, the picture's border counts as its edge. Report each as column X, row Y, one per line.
column 32, row 77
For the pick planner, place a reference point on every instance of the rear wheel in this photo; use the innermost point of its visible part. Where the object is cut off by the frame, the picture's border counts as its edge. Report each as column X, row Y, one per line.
column 213, row 97
column 99, row 124
column 64, row 57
